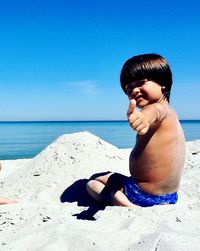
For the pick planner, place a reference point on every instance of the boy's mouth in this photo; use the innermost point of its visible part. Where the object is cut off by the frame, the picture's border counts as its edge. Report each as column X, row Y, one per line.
column 138, row 98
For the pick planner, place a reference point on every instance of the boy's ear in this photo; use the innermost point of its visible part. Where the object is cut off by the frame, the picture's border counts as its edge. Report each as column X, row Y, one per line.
column 163, row 89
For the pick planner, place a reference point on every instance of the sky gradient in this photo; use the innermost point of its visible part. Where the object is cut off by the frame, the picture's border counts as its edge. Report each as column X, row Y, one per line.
column 61, row 60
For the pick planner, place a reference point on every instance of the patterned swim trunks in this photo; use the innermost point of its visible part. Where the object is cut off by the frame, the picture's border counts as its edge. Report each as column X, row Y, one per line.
column 144, row 199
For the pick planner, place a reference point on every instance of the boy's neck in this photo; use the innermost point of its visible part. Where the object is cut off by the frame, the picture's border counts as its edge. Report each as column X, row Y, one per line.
column 162, row 99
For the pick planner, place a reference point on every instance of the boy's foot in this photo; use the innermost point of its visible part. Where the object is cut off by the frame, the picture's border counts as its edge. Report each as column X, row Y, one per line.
column 6, row 201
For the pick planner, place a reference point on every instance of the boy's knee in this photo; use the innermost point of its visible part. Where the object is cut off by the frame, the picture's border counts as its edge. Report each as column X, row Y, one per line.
column 91, row 185
column 104, row 178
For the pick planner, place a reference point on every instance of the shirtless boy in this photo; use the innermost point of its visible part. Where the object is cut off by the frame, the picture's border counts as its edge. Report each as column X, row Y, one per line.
column 157, row 160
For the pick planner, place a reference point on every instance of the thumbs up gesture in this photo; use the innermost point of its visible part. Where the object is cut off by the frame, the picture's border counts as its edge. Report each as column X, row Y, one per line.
column 136, row 119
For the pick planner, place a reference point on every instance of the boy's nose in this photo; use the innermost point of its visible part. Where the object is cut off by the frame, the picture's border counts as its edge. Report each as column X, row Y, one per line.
column 136, row 90
column 133, row 93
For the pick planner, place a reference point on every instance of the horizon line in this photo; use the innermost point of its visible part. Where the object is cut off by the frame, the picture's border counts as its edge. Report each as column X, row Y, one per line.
column 92, row 120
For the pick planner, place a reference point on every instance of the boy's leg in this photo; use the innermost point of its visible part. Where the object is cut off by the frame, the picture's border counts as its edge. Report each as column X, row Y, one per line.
column 94, row 189
column 96, row 186
column 120, row 199
column 104, row 178
column 109, row 188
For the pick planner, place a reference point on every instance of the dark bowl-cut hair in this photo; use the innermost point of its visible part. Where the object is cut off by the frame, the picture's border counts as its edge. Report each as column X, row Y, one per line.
column 147, row 66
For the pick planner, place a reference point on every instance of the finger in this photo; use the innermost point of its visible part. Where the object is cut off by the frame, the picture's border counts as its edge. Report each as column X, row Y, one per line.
column 132, row 106
column 142, row 129
column 137, row 122
column 133, row 117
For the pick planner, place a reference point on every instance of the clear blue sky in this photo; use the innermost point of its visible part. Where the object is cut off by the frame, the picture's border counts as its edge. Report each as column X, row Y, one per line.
column 61, row 60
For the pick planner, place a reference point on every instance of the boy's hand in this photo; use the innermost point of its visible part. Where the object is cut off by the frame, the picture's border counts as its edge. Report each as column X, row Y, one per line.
column 136, row 119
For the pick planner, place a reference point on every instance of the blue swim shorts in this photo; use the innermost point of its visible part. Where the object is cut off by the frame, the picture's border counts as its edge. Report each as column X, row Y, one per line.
column 138, row 197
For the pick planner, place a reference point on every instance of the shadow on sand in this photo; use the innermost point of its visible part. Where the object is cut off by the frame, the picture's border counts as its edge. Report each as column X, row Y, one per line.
column 77, row 192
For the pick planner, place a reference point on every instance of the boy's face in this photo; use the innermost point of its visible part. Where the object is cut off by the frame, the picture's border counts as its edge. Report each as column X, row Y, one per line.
column 144, row 92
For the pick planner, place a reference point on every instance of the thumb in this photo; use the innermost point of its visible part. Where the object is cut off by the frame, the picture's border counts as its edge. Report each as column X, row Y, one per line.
column 132, row 106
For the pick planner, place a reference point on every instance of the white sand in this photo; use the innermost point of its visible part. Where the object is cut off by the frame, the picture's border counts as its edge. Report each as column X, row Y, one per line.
column 39, row 221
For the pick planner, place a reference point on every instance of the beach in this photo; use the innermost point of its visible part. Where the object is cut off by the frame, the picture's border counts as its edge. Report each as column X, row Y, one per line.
column 54, row 211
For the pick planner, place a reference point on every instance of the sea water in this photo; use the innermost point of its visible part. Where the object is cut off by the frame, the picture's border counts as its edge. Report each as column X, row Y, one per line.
column 27, row 139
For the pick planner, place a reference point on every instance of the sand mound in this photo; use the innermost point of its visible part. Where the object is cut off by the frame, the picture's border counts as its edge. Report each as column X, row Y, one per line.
column 54, row 211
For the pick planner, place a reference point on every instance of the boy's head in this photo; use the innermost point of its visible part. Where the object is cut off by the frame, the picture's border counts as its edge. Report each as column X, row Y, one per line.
column 147, row 66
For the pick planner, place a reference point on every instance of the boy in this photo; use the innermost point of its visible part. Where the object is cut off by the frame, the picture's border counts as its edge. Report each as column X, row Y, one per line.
column 157, row 160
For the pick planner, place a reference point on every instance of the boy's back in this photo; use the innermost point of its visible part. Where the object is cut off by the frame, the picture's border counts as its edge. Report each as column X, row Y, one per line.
column 158, row 157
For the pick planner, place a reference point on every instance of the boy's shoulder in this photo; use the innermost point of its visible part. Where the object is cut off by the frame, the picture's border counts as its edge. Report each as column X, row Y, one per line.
column 162, row 110
column 158, row 107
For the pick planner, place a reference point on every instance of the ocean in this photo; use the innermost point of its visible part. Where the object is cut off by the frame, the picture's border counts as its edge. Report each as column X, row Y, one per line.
column 26, row 139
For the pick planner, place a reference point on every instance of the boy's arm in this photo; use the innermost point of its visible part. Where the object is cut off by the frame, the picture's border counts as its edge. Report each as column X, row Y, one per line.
column 140, row 121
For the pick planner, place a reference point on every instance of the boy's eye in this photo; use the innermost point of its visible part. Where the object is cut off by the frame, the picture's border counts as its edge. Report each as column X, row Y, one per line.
column 129, row 88
column 141, row 83
column 135, row 84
